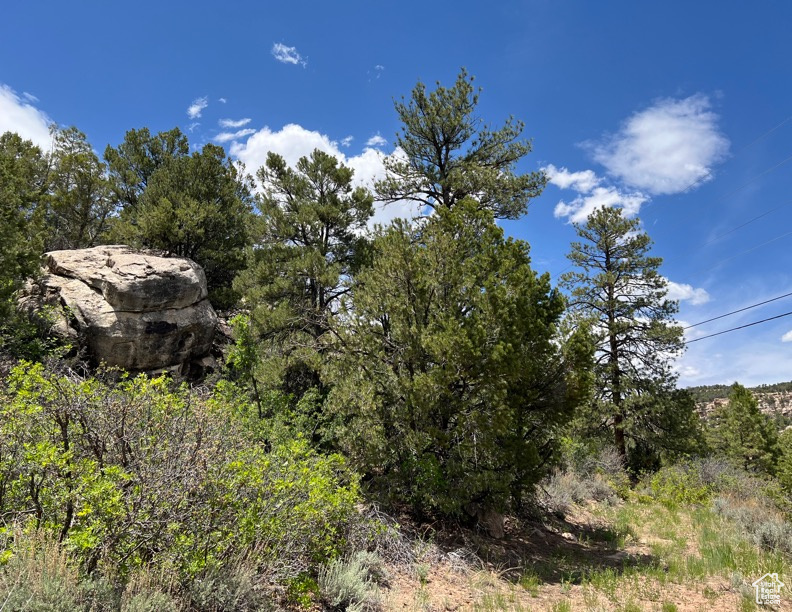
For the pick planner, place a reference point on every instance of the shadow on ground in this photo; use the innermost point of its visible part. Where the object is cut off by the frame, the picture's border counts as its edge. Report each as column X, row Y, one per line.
column 553, row 550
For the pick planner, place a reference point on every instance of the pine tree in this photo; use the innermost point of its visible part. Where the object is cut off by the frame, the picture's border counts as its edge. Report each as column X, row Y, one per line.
column 742, row 433
column 308, row 244
column 447, row 154
column 450, row 384
column 619, row 292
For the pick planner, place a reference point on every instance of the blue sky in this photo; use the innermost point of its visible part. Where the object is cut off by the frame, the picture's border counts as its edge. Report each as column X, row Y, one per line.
column 678, row 111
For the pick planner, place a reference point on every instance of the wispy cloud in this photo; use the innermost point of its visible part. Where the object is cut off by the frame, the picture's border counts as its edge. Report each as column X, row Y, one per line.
column 376, row 141
column 20, row 116
column 287, row 55
column 345, row 142
column 222, row 100
column 197, row 107
column 234, row 123
column 666, row 148
column 193, row 125
column 229, row 136
column 376, row 73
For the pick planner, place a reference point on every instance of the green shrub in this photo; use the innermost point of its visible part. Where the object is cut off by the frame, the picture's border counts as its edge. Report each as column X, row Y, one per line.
column 143, row 475
column 678, row 485
column 763, row 524
column 39, row 576
column 348, row 585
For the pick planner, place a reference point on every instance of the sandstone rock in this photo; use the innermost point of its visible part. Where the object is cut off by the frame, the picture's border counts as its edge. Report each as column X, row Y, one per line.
column 130, row 309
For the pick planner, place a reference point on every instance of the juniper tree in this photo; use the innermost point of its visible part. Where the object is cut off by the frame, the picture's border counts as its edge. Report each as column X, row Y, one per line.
column 450, row 386
column 743, row 434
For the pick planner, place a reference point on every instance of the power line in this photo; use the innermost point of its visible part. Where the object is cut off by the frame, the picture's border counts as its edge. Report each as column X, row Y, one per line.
column 758, row 246
column 726, row 331
column 736, row 311
column 740, row 150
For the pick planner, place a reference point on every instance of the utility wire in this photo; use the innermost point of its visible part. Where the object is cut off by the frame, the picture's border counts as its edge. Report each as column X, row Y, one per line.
column 726, row 331
column 728, row 314
column 758, row 246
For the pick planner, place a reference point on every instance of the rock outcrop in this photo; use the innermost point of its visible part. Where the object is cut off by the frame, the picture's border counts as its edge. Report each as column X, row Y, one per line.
column 130, row 309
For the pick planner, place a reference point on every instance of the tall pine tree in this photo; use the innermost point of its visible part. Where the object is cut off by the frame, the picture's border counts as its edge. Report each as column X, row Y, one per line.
column 618, row 290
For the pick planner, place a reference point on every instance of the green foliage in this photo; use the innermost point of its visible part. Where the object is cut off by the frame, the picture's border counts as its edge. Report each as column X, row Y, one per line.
column 197, row 206
column 451, row 155
column 679, row 485
column 740, row 432
column 620, row 294
column 450, row 387
column 308, row 245
column 80, row 195
column 23, row 187
column 347, row 585
column 784, row 471
column 138, row 474
column 132, row 164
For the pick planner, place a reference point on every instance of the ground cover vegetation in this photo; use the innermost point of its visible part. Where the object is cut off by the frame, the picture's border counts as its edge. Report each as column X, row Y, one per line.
column 394, row 403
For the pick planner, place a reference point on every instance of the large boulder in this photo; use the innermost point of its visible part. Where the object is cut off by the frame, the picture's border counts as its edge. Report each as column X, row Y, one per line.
column 130, row 309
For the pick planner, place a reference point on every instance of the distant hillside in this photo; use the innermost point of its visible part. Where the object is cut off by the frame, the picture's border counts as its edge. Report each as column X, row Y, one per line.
column 774, row 400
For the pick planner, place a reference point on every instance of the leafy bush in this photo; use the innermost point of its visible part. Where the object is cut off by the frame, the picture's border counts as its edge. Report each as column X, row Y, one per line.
column 143, row 475
column 678, row 485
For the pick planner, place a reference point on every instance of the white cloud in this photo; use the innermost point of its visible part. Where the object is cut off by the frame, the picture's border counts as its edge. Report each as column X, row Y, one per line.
column 21, row 117
column 376, row 141
column 294, row 141
column 29, row 97
column 193, row 125
column 287, row 55
column 346, row 141
column 583, row 181
column 197, row 107
column 787, row 337
column 687, row 293
column 234, row 123
column 222, row 100
column 229, row 136
column 578, row 210
column 665, row 148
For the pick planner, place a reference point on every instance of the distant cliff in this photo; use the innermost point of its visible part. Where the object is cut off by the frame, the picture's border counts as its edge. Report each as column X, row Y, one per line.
column 774, row 400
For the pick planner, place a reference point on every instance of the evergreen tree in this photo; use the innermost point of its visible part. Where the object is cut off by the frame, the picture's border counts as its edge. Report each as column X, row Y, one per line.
column 309, row 242
column 450, row 385
column 24, row 183
column 132, row 164
column 618, row 291
column 785, row 459
column 80, row 196
column 445, row 153
column 743, row 434
column 197, row 206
